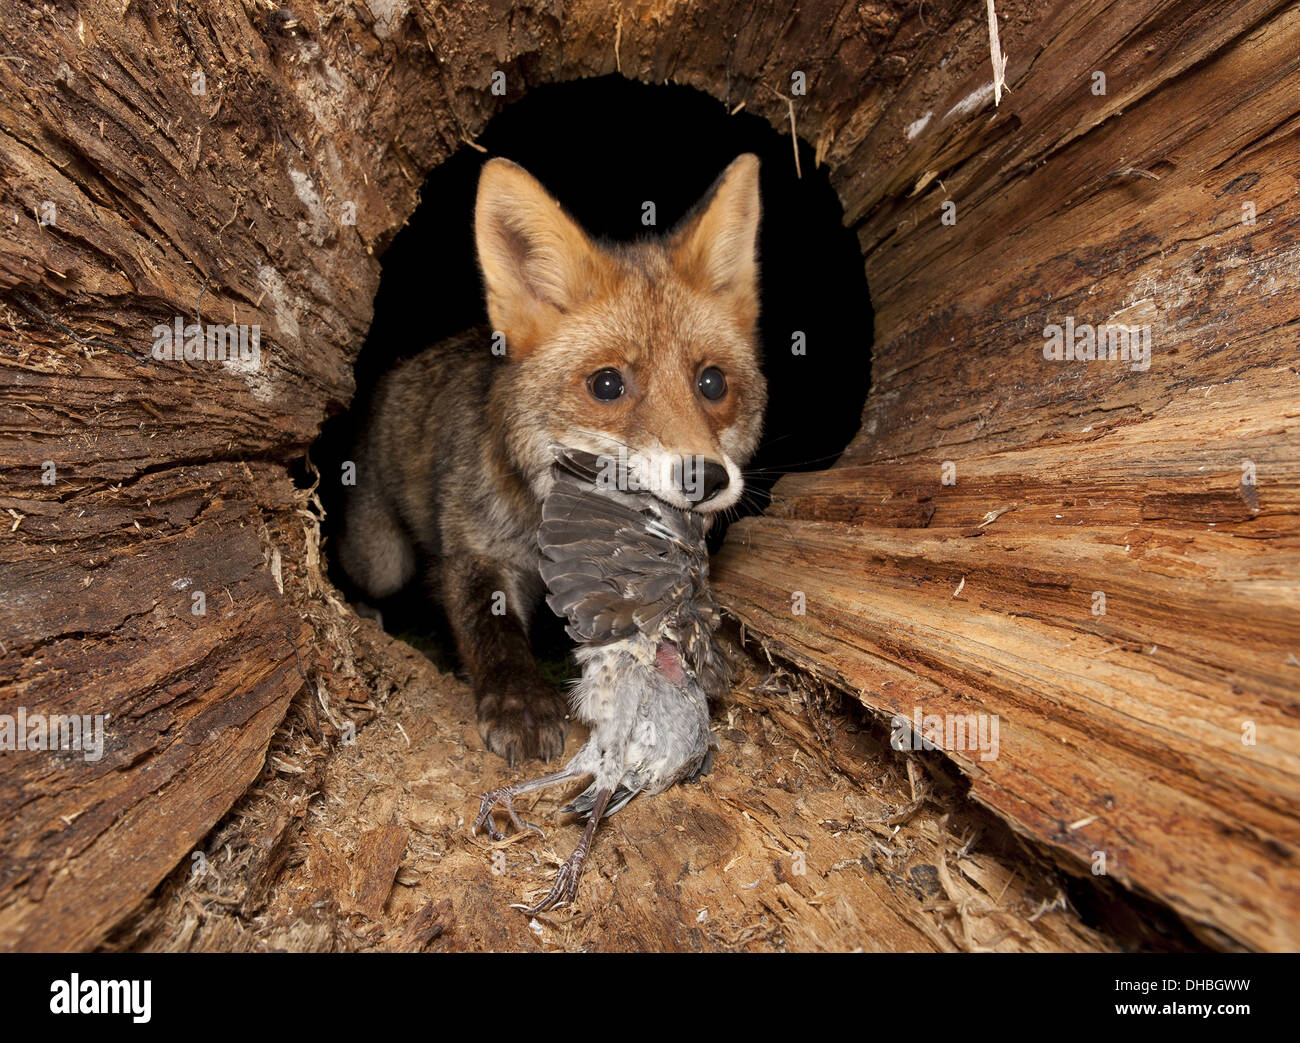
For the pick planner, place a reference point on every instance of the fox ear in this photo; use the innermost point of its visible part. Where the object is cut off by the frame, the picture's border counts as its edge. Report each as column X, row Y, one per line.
column 715, row 246
column 537, row 263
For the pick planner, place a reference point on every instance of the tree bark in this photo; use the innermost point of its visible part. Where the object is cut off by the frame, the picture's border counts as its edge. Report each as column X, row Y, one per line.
column 136, row 191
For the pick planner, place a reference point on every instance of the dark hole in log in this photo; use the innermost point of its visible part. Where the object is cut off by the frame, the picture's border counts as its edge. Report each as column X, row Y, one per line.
column 603, row 147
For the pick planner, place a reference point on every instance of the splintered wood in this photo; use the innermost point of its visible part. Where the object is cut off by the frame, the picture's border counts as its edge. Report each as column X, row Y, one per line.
column 1100, row 553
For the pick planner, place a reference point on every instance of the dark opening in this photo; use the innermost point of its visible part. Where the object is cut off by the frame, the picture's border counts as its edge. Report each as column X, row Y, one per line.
column 603, row 147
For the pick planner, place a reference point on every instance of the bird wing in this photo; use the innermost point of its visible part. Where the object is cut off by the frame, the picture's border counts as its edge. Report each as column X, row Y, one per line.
column 617, row 562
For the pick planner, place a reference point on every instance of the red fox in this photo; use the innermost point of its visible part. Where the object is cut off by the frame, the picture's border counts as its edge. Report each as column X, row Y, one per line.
column 644, row 351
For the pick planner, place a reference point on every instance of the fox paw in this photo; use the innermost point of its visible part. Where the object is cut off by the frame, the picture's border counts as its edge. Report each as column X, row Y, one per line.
column 523, row 720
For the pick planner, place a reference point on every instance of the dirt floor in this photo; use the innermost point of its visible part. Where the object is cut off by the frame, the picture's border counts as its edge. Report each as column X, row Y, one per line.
column 808, row 834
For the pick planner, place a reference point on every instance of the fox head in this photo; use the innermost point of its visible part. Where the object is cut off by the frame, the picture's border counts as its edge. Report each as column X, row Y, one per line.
column 644, row 351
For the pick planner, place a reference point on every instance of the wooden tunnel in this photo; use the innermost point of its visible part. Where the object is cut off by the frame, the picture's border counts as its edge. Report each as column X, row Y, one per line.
column 1103, row 553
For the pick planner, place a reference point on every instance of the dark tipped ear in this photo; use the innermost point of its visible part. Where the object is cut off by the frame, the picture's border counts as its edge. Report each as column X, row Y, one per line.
column 716, row 247
column 537, row 263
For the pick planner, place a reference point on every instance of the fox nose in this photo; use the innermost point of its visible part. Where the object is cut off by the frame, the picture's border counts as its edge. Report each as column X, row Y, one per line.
column 703, row 480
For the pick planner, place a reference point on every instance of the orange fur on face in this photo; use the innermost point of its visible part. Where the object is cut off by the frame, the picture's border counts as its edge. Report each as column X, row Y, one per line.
column 659, row 312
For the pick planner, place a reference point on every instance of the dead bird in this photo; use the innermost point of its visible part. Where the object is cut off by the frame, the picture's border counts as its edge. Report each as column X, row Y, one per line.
column 631, row 575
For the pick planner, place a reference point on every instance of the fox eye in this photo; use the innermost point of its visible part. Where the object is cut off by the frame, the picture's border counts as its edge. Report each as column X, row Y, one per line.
column 606, row 384
column 712, row 384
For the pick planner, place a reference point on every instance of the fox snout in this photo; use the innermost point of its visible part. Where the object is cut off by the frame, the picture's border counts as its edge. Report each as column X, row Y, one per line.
column 690, row 482
column 702, row 480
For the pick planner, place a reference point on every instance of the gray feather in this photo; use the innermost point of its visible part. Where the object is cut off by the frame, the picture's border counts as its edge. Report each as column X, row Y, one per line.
column 617, row 562
column 630, row 575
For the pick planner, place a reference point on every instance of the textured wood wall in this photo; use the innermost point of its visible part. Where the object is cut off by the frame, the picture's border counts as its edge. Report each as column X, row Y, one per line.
column 130, row 198
column 1162, row 736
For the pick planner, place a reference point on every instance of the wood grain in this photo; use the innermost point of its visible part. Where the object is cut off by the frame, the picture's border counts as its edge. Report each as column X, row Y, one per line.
column 226, row 204
column 953, row 558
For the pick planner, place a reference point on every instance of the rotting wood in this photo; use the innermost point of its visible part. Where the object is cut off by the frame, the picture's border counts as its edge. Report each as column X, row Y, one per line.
column 773, row 850
column 166, row 200
column 957, row 557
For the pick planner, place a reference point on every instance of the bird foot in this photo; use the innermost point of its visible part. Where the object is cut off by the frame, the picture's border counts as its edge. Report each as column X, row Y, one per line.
column 566, row 878
column 506, row 797
column 565, row 889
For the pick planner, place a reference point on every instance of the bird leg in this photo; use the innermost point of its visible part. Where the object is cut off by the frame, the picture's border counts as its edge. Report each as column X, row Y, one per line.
column 566, row 879
column 506, row 795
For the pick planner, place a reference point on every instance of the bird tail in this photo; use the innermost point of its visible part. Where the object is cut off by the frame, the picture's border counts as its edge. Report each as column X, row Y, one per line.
column 583, row 803
column 706, row 763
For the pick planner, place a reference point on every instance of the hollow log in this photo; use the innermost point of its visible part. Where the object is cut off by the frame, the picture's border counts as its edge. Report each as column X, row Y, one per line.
column 226, row 163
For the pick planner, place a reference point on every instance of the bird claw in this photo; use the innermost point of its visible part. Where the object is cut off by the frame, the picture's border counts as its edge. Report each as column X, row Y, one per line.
column 490, row 800
column 566, row 877
column 565, row 889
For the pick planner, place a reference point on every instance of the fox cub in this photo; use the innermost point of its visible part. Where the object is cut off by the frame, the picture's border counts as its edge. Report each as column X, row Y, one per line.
column 644, row 351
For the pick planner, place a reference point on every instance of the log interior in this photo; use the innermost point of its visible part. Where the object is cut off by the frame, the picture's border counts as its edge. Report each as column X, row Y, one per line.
column 198, row 158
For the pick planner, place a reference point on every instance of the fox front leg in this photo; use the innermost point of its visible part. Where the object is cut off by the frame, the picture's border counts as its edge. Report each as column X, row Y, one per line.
column 519, row 714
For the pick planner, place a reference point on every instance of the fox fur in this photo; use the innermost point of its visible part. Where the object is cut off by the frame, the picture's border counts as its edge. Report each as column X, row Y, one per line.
column 454, row 459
